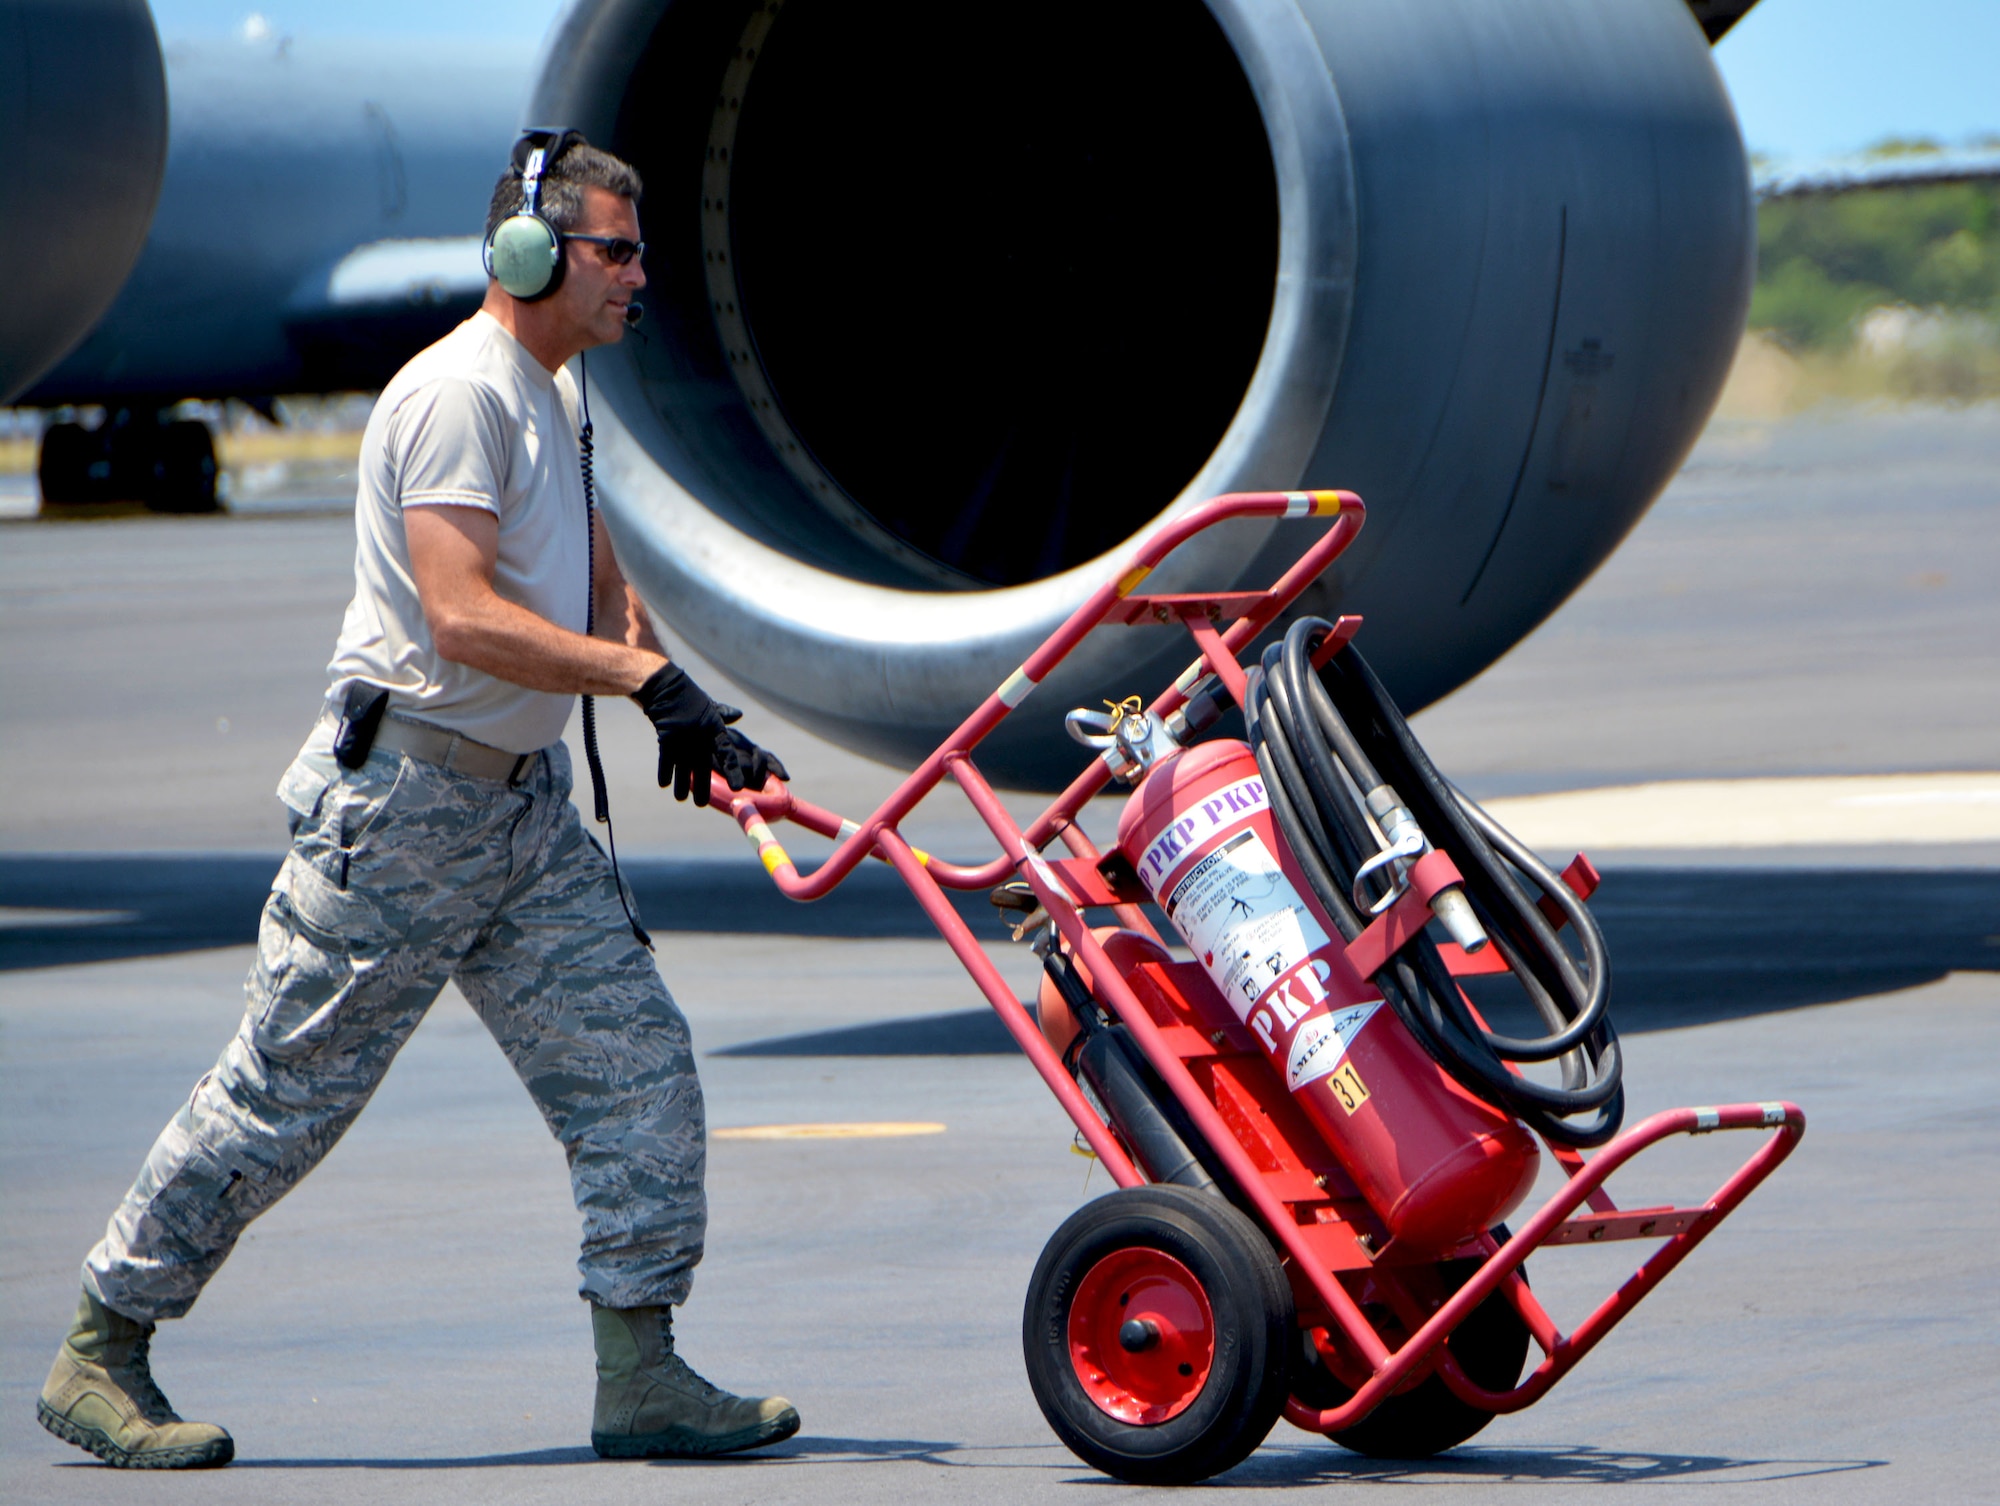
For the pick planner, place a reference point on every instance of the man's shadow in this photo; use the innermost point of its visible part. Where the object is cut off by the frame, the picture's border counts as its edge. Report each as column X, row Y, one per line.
column 791, row 1451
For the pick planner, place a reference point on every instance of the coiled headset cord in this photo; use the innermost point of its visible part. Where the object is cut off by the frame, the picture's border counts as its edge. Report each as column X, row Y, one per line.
column 1324, row 741
column 600, row 797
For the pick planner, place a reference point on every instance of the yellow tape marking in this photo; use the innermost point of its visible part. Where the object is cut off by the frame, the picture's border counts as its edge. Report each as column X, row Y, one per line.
column 774, row 857
column 1326, row 504
column 879, row 1131
column 1130, row 582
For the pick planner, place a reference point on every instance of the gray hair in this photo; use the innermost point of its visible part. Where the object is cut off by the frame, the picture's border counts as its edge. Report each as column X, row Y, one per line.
column 581, row 166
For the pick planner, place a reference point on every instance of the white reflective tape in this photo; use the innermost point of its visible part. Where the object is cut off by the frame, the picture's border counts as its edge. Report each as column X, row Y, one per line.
column 847, row 829
column 1298, row 504
column 1016, row 688
column 1774, row 1113
column 1048, row 876
column 1707, row 1119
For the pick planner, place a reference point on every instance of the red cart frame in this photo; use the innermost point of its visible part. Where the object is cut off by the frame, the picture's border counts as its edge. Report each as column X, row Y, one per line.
column 1321, row 1228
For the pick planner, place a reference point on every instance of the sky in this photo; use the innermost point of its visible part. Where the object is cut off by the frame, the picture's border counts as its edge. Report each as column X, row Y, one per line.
column 1816, row 78
column 1811, row 78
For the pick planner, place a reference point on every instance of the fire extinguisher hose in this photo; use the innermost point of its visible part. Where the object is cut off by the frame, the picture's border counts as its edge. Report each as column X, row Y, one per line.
column 1345, row 777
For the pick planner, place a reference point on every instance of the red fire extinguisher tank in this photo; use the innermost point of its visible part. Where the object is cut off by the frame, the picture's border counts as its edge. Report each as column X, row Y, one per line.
column 1437, row 1164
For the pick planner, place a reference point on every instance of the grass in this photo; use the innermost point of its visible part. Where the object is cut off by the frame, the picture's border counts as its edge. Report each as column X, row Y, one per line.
column 1769, row 381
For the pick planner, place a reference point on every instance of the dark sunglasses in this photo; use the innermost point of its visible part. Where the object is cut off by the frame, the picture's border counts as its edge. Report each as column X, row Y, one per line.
column 617, row 250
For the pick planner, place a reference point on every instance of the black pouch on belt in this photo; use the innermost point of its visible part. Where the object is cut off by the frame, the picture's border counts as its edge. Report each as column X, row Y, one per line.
column 360, row 716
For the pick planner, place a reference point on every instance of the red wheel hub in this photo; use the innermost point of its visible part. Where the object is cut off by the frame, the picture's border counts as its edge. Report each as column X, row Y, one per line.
column 1141, row 1336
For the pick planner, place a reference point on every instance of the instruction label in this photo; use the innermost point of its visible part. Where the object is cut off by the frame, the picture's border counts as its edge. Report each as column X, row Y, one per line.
column 1244, row 919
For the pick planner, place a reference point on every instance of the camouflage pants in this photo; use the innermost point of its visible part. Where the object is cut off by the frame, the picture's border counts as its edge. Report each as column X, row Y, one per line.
column 403, row 875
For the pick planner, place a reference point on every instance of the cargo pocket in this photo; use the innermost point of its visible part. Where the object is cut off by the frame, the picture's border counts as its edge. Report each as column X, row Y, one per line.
column 217, row 1189
column 331, row 834
column 316, row 942
column 301, row 791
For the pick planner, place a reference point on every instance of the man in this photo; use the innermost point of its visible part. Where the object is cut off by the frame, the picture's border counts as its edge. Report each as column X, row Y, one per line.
column 434, row 839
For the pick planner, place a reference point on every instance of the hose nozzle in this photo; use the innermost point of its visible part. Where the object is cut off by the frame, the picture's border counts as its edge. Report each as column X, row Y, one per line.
column 1407, row 843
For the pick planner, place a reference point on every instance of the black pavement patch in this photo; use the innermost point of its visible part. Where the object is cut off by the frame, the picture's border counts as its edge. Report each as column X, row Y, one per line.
column 963, row 1032
column 1689, row 946
column 154, row 904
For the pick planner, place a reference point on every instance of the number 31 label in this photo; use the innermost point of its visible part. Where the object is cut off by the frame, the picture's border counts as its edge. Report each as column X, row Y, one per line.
column 1348, row 1087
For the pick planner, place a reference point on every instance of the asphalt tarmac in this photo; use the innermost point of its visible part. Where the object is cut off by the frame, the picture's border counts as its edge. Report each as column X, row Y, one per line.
column 405, row 1325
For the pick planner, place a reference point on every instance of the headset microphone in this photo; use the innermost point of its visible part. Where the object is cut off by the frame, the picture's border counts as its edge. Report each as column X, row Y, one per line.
column 633, row 314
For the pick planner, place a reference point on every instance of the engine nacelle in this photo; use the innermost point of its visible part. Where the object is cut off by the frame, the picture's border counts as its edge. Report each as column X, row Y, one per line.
column 948, row 306
column 84, row 113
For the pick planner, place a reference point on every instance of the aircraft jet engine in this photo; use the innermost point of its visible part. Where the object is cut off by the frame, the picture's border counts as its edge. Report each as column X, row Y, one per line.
column 83, row 108
column 947, row 307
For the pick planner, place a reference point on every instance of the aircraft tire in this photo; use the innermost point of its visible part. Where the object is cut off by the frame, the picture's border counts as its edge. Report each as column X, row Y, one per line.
column 183, row 469
column 63, row 468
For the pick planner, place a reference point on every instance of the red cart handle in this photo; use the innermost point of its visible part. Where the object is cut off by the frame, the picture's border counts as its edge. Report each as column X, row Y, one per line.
column 755, row 811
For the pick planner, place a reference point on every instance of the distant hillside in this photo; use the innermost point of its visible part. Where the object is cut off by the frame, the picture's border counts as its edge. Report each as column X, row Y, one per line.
column 1824, row 262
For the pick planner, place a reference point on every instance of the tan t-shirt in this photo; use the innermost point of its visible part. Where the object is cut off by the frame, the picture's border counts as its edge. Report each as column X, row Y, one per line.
column 474, row 421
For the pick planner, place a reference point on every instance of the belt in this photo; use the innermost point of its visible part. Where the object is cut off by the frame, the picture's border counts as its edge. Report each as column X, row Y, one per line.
column 450, row 750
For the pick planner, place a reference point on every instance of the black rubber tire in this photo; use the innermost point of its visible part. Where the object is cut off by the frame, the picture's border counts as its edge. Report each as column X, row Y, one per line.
column 64, row 465
column 1491, row 1346
column 182, row 468
column 1254, row 1323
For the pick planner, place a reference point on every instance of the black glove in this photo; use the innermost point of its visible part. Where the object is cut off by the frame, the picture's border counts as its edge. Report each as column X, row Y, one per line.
column 696, row 738
column 745, row 765
column 691, row 729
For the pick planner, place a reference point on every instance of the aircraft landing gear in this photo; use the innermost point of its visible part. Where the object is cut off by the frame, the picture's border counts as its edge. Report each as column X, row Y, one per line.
column 136, row 455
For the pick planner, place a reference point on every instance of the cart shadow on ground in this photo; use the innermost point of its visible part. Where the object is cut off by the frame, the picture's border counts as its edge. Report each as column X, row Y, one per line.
column 1688, row 946
column 1528, row 1465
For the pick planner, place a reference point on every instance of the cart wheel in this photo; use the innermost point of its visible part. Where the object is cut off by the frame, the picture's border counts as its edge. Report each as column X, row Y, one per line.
column 1490, row 1346
column 1155, row 1334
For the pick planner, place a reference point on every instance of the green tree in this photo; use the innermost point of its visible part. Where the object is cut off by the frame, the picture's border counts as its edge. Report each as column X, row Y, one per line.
column 1823, row 261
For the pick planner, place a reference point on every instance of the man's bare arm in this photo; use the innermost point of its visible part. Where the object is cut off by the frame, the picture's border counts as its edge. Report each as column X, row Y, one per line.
column 453, row 554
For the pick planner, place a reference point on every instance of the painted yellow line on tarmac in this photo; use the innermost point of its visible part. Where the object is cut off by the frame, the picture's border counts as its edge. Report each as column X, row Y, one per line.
column 1840, row 810
column 877, row 1131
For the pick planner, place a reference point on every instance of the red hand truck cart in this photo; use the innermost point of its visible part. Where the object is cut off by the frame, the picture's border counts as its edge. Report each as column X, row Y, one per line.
column 1314, row 1133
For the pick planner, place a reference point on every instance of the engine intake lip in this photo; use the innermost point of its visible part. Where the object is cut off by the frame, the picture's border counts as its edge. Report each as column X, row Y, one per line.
column 819, row 625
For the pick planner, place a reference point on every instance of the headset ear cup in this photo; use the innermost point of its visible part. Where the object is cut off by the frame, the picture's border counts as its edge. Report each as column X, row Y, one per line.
column 525, row 256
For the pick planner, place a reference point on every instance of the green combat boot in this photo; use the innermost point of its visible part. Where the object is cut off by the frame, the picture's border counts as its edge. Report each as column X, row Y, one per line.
column 651, row 1406
column 101, row 1397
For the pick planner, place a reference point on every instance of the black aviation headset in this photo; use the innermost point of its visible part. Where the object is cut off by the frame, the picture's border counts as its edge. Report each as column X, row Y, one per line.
column 524, row 254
